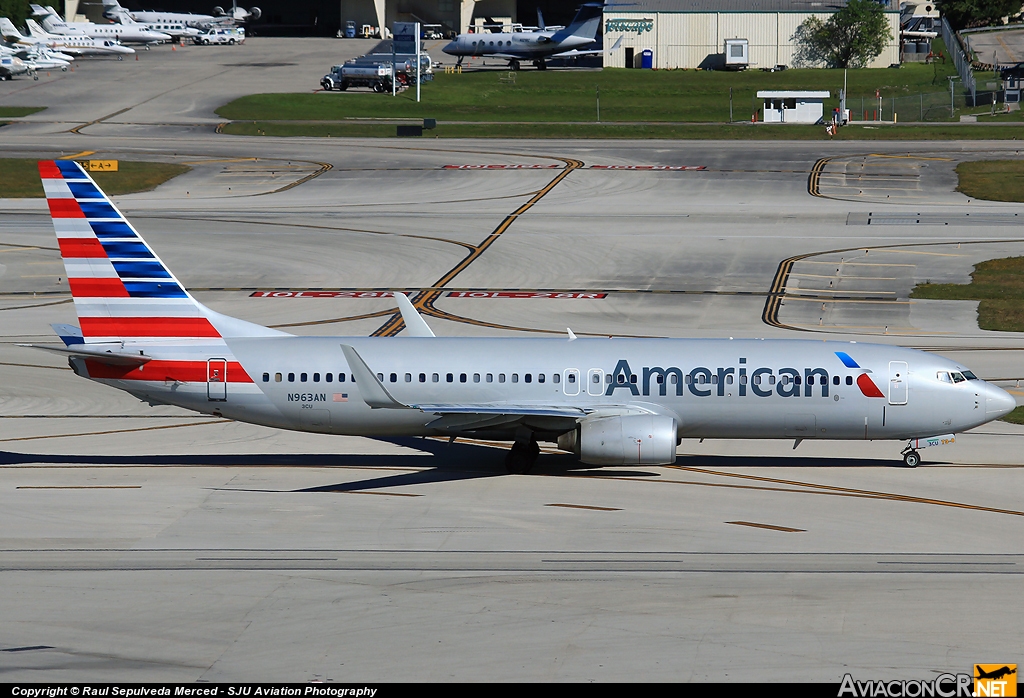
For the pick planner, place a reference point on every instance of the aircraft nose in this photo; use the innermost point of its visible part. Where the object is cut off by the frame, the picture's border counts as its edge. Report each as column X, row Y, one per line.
column 998, row 402
column 450, row 47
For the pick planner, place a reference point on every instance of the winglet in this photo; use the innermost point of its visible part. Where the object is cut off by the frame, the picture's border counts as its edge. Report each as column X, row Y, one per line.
column 572, row 335
column 372, row 390
column 414, row 322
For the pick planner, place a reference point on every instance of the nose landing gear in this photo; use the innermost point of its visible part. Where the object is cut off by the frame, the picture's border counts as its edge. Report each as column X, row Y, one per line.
column 911, row 458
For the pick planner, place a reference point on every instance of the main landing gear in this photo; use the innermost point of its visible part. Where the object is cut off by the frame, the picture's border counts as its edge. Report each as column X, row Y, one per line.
column 513, row 64
column 911, row 458
column 540, row 64
column 523, row 455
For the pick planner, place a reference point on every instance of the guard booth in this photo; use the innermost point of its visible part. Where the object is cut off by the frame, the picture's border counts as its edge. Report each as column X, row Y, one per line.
column 793, row 106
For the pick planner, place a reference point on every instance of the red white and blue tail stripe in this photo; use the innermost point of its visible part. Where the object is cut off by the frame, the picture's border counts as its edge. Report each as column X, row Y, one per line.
column 121, row 288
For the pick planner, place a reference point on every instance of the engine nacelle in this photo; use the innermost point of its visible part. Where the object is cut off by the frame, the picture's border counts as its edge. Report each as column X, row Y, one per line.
column 255, row 13
column 634, row 439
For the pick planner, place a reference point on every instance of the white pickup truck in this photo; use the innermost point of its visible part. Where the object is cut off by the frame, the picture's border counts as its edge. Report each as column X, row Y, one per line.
column 234, row 35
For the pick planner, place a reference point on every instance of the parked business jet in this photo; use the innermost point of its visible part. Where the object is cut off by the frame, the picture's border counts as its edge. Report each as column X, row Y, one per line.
column 16, row 40
column 176, row 30
column 36, row 58
column 76, row 44
column 125, row 33
column 235, row 15
column 610, row 401
column 537, row 45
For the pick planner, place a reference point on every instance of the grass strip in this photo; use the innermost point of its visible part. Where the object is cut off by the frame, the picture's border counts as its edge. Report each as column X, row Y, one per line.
column 1015, row 417
column 19, row 177
column 15, row 112
column 341, row 129
column 999, row 286
column 995, row 180
column 625, row 95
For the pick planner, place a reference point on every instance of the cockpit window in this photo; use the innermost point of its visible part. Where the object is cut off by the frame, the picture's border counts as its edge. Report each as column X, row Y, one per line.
column 969, row 375
column 944, row 376
column 958, row 377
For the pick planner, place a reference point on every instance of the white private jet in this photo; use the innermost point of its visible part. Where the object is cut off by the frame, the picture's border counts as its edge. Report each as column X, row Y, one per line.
column 124, row 33
column 610, row 401
column 36, row 59
column 219, row 17
column 536, row 46
column 77, row 44
column 16, row 40
column 176, row 30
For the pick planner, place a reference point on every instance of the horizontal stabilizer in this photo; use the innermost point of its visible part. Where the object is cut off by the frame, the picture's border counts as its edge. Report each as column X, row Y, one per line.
column 96, row 353
column 69, row 334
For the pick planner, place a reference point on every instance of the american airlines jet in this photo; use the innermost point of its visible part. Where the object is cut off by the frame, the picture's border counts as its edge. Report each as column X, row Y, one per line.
column 610, row 401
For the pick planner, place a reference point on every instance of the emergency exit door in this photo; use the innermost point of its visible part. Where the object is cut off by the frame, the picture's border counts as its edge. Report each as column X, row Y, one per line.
column 217, row 380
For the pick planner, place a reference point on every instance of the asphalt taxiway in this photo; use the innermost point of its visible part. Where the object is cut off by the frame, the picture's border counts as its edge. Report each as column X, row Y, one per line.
column 147, row 543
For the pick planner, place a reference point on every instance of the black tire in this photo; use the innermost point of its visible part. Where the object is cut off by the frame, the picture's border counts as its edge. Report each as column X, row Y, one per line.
column 521, row 457
column 911, row 459
column 231, row 42
column 326, row 84
column 378, row 87
column 513, row 65
column 343, row 86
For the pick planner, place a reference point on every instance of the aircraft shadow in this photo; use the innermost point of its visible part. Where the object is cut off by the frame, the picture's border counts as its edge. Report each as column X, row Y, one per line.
column 436, row 461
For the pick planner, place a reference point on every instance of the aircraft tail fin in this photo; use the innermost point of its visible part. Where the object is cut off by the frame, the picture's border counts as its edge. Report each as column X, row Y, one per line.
column 122, row 290
column 585, row 24
column 34, row 30
column 8, row 30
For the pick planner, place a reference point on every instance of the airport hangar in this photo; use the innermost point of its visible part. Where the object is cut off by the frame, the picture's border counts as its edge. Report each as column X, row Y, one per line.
column 692, row 33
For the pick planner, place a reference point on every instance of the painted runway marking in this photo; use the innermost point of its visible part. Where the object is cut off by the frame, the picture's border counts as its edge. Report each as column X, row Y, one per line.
column 583, row 506
column 648, row 168
column 785, row 529
column 450, row 294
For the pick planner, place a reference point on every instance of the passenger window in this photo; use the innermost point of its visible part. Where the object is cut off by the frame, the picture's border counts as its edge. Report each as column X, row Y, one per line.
column 515, row 377
column 316, row 377
column 597, row 378
column 527, row 378
column 835, row 380
column 743, row 380
column 408, row 378
column 476, row 377
column 394, row 377
column 688, row 379
column 771, row 380
column 796, row 379
column 291, row 377
column 490, row 377
column 434, row 378
column 423, row 378
column 757, row 380
column 608, row 378
column 810, row 380
column 341, row 377
column 501, row 377
column 849, row 380
column 540, row 377
column 714, row 380
column 556, row 377
column 462, row 377
column 329, row 377
column 700, row 379
column 632, row 378
column 266, row 377
column 277, row 377
column 571, row 378
column 380, row 377
column 673, row 379
column 302, row 378
column 728, row 379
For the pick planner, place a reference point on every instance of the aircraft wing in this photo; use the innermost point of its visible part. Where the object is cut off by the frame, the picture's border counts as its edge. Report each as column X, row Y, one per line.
column 588, row 52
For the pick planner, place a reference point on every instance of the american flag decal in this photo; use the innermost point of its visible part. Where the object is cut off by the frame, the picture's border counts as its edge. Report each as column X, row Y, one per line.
column 341, row 397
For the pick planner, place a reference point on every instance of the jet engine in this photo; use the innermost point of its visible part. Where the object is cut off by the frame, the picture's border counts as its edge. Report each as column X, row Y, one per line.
column 634, row 439
column 255, row 13
column 218, row 11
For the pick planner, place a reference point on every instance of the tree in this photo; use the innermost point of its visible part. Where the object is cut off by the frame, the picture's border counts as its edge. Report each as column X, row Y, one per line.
column 850, row 38
column 963, row 14
column 15, row 10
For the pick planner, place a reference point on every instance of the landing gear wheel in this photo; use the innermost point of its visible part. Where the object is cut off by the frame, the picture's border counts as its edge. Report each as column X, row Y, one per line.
column 911, row 459
column 521, row 457
column 513, row 65
column 540, row 65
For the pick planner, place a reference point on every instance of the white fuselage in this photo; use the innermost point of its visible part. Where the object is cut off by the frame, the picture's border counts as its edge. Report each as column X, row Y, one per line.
column 758, row 389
